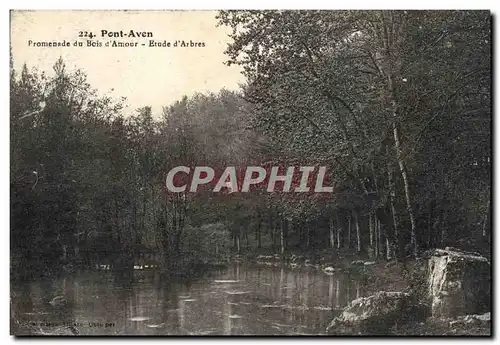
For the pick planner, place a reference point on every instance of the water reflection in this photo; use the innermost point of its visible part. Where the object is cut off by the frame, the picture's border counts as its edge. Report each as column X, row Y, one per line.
column 241, row 300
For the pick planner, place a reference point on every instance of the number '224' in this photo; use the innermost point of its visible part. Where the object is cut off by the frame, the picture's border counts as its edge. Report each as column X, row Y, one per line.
column 86, row 34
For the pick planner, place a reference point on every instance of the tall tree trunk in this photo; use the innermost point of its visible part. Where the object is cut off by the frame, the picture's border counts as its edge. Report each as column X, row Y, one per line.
column 174, row 220
column 387, row 246
column 165, row 234
column 349, row 229
column 406, row 183
column 358, row 232
column 337, row 294
column 443, row 229
column 144, row 202
column 259, row 225
column 258, row 220
column 370, row 225
column 116, row 221
column 339, row 229
column 270, row 227
column 183, row 217
column 288, row 226
column 282, row 236
column 486, row 217
column 332, row 234
column 308, row 236
column 389, row 36
column 392, row 199
column 379, row 237
column 135, row 234
column 153, row 198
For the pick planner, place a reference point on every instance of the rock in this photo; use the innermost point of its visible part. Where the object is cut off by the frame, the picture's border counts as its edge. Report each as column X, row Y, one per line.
column 362, row 263
column 375, row 314
column 329, row 269
column 483, row 318
column 265, row 258
column 458, row 282
column 308, row 263
column 297, row 258
column 58, row 301
column 447, row 249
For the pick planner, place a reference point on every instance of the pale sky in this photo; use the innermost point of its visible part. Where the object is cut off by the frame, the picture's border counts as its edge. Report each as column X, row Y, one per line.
column 153, row 76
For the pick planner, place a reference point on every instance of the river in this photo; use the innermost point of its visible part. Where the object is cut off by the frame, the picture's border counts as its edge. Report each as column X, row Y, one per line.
column 243, row 299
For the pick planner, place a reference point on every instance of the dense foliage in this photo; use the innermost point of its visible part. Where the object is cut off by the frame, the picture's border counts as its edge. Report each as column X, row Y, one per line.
column 395, row 103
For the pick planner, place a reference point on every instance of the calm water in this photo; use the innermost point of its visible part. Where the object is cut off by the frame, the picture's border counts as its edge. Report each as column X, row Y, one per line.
column 241, row 300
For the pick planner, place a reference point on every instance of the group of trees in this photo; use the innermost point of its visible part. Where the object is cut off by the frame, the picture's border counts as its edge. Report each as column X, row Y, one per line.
column 395, row 103
column 88, row 184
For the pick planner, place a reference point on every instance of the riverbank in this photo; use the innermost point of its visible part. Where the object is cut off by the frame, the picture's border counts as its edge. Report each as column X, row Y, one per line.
column 410, row 278
column 259, row 294
column 393, row 275
column 242, row 299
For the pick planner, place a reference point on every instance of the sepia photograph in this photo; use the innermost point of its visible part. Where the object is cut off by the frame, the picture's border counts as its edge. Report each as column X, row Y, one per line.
column 321, row 173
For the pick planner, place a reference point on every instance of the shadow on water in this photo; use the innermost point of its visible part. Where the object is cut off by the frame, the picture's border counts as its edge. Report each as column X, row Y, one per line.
column 240, row 300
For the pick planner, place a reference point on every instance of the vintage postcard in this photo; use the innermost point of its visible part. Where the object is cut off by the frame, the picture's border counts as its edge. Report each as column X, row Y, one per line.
column 285, row 172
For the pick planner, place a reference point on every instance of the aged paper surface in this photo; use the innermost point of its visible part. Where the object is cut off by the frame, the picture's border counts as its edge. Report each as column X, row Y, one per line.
column 170, row 72
column 280, row 173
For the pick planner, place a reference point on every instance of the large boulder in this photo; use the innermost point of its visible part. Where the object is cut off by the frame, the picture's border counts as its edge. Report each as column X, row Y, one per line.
column 483, row 320
column 459, row 283
column 375, row 314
